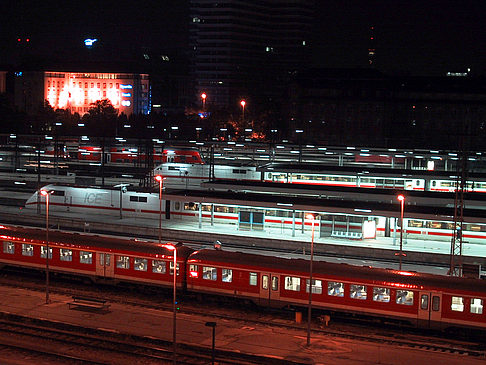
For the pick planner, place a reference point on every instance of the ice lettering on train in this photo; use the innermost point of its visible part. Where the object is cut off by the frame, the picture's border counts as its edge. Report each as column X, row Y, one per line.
column 92, row 198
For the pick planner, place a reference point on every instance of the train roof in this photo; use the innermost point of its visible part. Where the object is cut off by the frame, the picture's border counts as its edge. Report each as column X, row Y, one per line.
column 341, row 271
column 91, row 241
column 363, row 171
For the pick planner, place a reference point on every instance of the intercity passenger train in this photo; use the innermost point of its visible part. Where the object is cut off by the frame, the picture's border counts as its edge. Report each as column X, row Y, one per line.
column 419, row 300
column 354, row 224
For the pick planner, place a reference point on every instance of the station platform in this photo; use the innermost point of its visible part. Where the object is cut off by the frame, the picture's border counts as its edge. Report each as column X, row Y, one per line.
column 284, row 344
column 430, row 256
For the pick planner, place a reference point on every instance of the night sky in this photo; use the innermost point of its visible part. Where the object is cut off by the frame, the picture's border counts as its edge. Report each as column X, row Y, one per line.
column 411, row 37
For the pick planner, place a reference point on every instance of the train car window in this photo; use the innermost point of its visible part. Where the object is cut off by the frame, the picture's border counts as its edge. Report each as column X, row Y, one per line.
column 265, row 282
column 274, row 283
column 253, row 278
column 177, row 205
column 210, row 273
column 8, row 247
column 158, row 266
column 434, row 183
column 44, row 252
column 171, row 269
column 133, row 198
column 335, row 289
column 190, row 206
column 476, row 306
column 58, row 192
column 227, row 275
column 292, row 283
column 435, row 303
column 457, row 304
column 358, row 292
column 316, row 286
column 123, row 262
column 424, row 302
column 404, row 297
column 65, row 254
column 27, row 249
column 140, row 264
column 381, row 294
column 85, row 257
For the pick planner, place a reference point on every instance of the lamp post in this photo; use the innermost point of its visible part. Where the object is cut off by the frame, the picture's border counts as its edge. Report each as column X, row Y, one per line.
column 160, row 179
column 203, row 97
column 401, row 198
column 173, row 248
column 243, row 103
column 47, row 194
column 309, row 309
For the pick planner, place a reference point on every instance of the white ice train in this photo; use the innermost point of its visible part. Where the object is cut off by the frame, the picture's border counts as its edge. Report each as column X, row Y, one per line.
column 190, row 176
column 351, row 224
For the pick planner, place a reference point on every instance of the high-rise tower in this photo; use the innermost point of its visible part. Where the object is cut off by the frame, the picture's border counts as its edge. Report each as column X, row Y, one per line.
column 240, row 48
column 371, row 47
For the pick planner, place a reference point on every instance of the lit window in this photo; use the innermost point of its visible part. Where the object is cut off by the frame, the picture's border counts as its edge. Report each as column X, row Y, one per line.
column 274, row 283
column 335, row 289
column 457, row 304
column 158, row 266
column 140, row 264
column 316, row 286
column 405, row 297
column 476, row 306
column 210, row 273
column 265, row 282
column 381, row 295
column 292, row 283
column 358, row 292
column 27, row 250
column 123, row 262
column 227, row 275
column 8, row 247
column 85, row 257
column 44, row 252
column 253, row 278
column 65, row 254
column 171, row 268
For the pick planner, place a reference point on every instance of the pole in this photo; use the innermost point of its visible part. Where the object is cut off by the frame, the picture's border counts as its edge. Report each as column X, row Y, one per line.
column 160, row 211
column 47, row 247
column 174, row 307
column 401, row 232
column 309, row 310
column 121, row 202
column 212, row 351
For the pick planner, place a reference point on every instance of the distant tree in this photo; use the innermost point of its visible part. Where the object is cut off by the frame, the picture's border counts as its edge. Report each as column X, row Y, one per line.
column 101, row 118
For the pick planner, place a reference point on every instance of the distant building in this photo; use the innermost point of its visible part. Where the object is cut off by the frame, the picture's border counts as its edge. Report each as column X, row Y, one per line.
column 365, row 107
column 129, row 93
column 240, row 49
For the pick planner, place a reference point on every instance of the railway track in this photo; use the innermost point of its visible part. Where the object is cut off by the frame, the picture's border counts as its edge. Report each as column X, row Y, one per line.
column 341, row 328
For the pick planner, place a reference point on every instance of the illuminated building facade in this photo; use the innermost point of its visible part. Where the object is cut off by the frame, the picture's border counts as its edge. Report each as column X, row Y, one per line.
column 76, row 91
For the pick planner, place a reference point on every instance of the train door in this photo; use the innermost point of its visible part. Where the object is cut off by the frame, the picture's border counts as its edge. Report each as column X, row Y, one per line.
column 269, row 288
column 429, row 309
column 104, row 265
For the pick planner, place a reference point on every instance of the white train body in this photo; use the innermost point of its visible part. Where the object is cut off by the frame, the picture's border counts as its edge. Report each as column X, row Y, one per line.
column 190, row 176
column 97, row 201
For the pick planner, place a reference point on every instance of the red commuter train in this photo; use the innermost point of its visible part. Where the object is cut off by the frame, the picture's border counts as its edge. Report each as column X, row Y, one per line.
column 422, row 300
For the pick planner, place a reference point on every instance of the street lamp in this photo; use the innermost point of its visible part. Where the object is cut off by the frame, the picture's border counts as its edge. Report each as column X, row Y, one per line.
column 47, row 194
column 173, row 248
column 203, row 97
column 160, row 179
column 309, row 310
column 243, row 103
column 401, row 198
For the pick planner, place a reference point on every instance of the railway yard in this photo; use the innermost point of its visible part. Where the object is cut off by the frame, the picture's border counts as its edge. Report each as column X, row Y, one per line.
column 131, row 320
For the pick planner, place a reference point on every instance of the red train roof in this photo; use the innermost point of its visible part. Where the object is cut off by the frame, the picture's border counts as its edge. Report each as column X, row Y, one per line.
column 92, row 242
column 345, row 272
